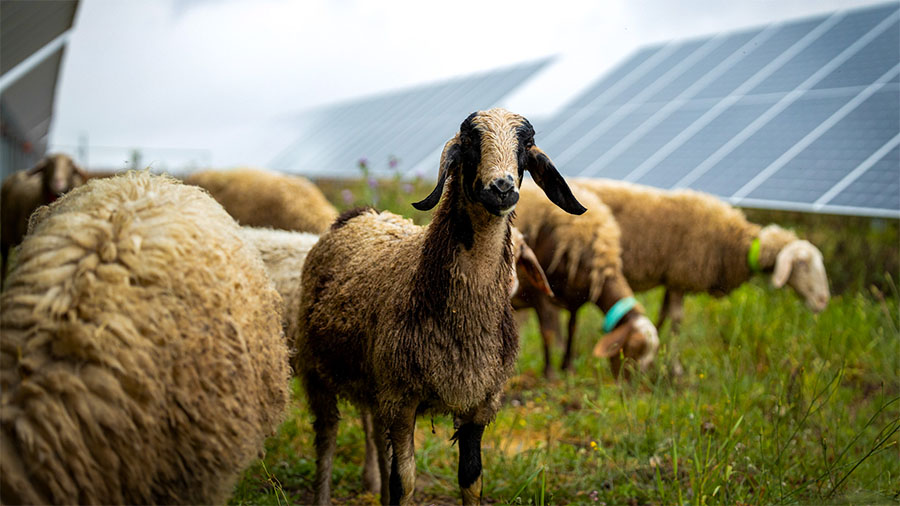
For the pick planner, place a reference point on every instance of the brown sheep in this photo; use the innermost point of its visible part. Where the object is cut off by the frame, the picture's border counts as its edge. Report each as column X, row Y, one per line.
column 690, row 242
column 402, row 320
column 527, row 272
column 284, row 252
column 581, row 257
column 25, row 191
column 142, row 358
column 260, row 198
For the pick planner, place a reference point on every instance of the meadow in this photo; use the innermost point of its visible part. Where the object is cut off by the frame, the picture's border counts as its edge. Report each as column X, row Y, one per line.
column 776, row 405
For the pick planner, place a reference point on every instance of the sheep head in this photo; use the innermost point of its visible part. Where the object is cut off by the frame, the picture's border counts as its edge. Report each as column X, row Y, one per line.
column 488, row 157
column 636, row 340
column 59, row 174
column 800, row 265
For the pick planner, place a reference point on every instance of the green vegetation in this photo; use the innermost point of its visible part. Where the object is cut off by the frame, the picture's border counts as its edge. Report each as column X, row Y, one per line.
column 776, row 405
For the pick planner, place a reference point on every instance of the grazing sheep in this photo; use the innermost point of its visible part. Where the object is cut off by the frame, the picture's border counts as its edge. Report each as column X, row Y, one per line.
column 142, row 358
column 25, row 191
column 402, row 320
column 690, row 242
column 260, row 198
column 581, row 257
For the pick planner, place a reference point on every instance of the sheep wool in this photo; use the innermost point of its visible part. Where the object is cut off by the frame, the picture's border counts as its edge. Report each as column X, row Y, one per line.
column 283, row 253
column 261, row 198
column 142, row 358
column 586, row 246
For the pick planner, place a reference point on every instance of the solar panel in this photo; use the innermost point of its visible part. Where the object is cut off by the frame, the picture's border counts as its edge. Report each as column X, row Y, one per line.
column 797, row 115
column 613, row 76
column 410, row 125
column 877, row 187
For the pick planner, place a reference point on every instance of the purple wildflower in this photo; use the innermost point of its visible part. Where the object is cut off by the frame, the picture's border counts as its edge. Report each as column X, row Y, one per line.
column 347, row 196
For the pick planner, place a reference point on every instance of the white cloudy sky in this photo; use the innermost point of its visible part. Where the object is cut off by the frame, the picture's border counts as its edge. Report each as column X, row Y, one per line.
column 218, row 81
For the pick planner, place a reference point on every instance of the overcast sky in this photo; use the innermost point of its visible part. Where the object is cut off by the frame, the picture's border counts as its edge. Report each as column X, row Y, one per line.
column 220, row 80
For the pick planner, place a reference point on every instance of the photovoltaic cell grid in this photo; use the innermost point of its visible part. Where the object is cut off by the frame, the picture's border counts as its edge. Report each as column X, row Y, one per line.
column 409, row 125
column 799, row 115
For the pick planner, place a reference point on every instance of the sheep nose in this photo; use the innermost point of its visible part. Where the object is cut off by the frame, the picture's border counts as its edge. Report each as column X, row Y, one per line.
column 502, row 186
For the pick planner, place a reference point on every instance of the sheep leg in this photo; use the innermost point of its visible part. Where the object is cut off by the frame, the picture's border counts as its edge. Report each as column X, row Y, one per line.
column 384, row 461
column 548, row 318
column 674, row 306
column 371, row 476
column 664, row 309
column 323, row 404
column 570, row 342
column 403, row 460
column 468, row 436
column 376, row 473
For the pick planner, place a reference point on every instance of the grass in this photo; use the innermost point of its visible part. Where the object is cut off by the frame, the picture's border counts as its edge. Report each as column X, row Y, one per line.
column 776, row 406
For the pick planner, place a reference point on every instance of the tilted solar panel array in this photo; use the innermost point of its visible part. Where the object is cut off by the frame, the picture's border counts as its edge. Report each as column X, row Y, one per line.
column 410, row 125
column 799, row 115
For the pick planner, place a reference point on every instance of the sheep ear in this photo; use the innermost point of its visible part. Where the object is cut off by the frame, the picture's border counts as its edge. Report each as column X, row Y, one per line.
column 547, row 177
column 449, row 158
column 81, row 173
column 784, row 262
column 612, row 343
column 38, row 167
column 533, row 271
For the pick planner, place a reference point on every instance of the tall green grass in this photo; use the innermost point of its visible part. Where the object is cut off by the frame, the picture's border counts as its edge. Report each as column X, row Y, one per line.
column 776, row 406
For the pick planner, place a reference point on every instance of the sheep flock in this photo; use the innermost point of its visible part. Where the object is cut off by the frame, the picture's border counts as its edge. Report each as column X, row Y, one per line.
column 151, row 326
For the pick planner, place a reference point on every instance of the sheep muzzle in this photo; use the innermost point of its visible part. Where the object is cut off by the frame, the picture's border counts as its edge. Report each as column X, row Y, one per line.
column 499, row 196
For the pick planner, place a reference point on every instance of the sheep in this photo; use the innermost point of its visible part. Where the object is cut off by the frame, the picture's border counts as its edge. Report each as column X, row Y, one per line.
column 691, row 242
column 403, row 320
column 581, row 256
column 142, row 358
column 527, row 272
column 25, row 191
column 260, row 198
column 283, row 254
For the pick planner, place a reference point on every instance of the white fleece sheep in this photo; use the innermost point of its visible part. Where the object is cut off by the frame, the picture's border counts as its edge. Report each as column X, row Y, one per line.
column 142, row 358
